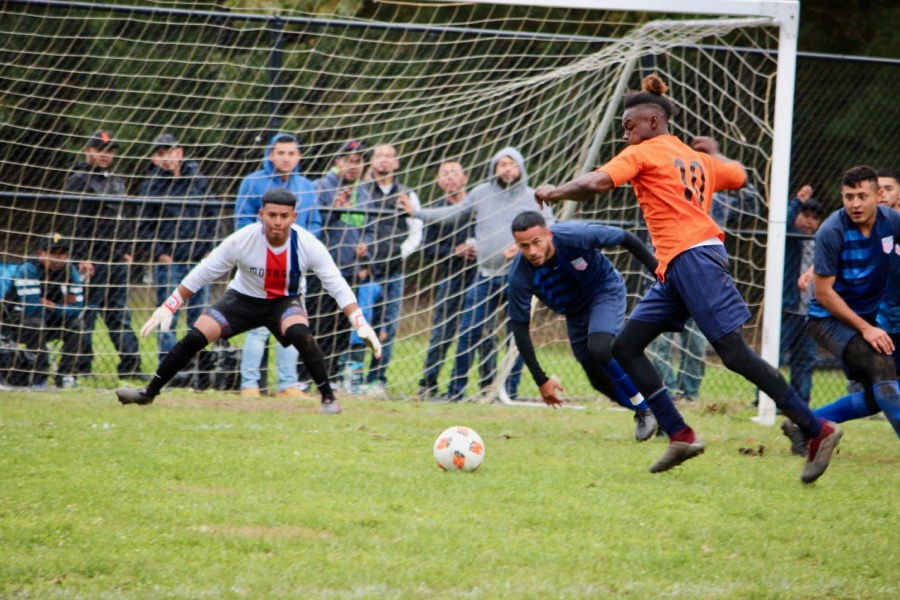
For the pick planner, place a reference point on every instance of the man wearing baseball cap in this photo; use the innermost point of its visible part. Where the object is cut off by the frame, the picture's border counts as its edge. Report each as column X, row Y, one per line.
column 177, row 224
column 45, row 302
column 99, row 225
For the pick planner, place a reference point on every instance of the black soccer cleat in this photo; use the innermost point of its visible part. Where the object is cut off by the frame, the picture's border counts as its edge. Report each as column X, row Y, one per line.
column 133, row 396
column 793, row 433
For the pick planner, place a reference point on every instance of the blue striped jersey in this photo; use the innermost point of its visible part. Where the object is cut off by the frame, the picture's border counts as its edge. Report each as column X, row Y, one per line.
column 858, row 263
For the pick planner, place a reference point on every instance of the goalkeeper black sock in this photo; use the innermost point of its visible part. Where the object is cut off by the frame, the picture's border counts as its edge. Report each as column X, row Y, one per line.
column 178, row 358
column 311, row 355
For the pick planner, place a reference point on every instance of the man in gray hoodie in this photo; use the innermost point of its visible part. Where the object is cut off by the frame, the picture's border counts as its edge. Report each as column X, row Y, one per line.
column 494, row 204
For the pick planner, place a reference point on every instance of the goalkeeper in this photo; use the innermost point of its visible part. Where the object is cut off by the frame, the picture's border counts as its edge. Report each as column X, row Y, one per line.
column 562, row 266
column 271, row 257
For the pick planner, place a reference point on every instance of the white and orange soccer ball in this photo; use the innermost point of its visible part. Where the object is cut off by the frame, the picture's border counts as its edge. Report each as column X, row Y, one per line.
column 459, row 449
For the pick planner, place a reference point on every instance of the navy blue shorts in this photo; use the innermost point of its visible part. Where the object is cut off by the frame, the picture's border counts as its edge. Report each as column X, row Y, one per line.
column 831, row 334
column 236, row 313
column 606, row 315
column 896, row 339
column 699, row 285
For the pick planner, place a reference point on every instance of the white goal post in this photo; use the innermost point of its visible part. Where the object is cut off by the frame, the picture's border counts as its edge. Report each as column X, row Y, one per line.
column 439, row 80
column 785, row 15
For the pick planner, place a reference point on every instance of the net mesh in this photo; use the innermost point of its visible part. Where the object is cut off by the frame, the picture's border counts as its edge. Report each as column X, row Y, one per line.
column 435, row 80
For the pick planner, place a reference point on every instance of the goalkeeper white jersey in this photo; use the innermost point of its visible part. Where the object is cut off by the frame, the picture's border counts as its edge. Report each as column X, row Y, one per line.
column 264, row 271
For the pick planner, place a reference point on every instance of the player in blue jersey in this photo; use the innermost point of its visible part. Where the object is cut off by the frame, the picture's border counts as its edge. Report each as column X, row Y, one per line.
column 855, row 249
column 562, row 266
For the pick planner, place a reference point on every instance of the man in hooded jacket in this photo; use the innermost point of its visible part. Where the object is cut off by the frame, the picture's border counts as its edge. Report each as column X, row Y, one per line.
column 494, row 204
column 280, row 169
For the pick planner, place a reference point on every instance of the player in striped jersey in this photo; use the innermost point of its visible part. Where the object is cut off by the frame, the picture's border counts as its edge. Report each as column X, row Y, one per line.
column 271, row 257
column 674, row 183
column 857, row 251
column 563, row 267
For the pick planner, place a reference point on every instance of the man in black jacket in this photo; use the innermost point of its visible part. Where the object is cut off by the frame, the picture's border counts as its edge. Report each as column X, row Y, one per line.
column 177, row 223
column 102, row 237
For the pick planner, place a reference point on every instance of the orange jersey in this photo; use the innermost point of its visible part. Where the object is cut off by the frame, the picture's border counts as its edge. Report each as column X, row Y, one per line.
column 674, row 185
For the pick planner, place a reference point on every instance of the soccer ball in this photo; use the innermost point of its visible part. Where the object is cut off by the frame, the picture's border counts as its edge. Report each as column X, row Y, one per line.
column 459, row 449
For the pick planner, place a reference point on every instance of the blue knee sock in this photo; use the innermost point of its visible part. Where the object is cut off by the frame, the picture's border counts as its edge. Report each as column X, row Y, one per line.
column 627, row 393
column 847, row 408
column 665, row 412
column 887, row 395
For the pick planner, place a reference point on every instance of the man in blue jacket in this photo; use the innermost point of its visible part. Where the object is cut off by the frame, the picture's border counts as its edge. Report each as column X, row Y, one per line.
column 46, row 302
column 280, row 169
column 180, row 227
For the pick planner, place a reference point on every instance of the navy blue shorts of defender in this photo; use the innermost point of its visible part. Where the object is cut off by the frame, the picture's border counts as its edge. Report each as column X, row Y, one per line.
column 236, row 313
column 699, row 285
column 606, row 315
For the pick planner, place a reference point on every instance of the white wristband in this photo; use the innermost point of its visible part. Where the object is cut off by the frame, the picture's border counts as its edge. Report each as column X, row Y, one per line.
column 174, row 301
column 357, row 319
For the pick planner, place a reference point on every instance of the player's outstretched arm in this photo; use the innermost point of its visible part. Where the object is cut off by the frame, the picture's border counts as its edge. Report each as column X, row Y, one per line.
column 584, row 187
column 162, row 316
column 547, row 385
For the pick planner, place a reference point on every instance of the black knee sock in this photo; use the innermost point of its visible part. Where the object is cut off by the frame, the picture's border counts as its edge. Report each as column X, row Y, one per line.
column 178, row 358
column 311, row 355
column 737, row 356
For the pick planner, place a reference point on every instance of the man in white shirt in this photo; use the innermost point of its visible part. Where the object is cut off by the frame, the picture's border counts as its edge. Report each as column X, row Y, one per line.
column 271, row 257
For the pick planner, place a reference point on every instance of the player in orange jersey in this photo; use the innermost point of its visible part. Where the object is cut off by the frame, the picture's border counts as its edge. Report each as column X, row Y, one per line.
column 674, row 184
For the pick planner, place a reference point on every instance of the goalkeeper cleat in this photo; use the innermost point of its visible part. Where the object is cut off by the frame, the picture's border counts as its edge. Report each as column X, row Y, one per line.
column 330, row 406
column 820, row 449
column 133, row 396
column 644, row 425
column 676, row 453
column 793, row 433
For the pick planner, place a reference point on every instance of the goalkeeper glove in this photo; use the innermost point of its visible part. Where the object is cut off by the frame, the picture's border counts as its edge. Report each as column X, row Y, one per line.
column 365, row 332
column 163, row 315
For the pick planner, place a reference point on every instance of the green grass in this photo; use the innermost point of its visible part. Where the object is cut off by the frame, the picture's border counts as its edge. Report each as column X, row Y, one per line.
column 212, row 496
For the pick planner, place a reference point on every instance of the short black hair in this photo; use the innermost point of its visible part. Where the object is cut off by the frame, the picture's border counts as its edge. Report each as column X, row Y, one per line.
column 813, row 207
column 892, row 173
column 279, row 196
column 528, row 219
column 858, row 175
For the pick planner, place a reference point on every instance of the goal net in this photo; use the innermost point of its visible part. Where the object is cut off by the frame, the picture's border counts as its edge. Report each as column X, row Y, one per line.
column 436, row 80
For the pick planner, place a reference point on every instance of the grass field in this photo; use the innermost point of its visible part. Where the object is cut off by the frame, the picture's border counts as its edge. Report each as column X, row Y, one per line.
column 213, row 496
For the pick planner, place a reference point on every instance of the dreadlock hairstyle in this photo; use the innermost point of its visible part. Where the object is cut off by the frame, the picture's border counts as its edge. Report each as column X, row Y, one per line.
column 653, row 88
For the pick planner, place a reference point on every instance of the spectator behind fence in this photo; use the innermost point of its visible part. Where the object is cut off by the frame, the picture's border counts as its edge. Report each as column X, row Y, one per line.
column 179, row 228
column 450, row 247
column 338, row 191
column 856, row 248
column 389, row 239
column 798, row 349
column 280, row 169
column 494, row 204
column 46, row 302
column 100, row 227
